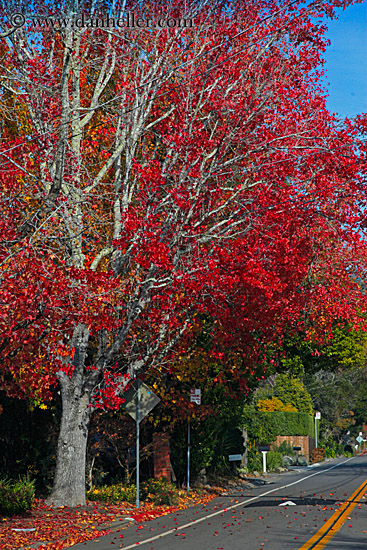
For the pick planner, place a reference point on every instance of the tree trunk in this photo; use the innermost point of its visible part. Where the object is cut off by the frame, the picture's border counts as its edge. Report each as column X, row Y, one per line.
column 69, row 481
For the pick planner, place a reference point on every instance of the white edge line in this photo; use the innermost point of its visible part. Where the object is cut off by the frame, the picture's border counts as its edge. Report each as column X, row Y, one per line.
column 223, row 510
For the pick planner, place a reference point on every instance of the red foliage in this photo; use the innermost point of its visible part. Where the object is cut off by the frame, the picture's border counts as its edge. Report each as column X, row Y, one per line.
column 295, row 194
column 64, row 527
column 202, row 175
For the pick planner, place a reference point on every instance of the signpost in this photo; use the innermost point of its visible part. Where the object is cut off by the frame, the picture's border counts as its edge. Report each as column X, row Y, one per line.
column 137, row 405
column 139, row 401
column 234, row 459
column 264, row 450
column 317, row 417
column 195, row 397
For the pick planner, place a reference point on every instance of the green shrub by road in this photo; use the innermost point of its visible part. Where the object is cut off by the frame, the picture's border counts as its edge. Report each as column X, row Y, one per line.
column 16, row 497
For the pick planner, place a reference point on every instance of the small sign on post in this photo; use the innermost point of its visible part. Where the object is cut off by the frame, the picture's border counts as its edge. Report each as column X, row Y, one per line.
column 264, row 450
column 195, row 396
column 317, row 417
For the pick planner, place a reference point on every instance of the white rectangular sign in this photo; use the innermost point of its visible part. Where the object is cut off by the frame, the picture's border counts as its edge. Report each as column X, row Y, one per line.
column 317, row 415
column 195, row 396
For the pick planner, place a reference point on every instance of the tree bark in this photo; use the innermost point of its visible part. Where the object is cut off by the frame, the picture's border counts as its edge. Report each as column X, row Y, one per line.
column 69, row 482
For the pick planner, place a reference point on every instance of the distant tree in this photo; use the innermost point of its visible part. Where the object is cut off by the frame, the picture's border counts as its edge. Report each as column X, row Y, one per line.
column 275, row 404
column 342, row 347
column 340, row 396
column 287, row 390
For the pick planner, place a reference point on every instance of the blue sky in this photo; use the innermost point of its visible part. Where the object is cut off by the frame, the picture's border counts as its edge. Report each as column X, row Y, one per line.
column 346, row 61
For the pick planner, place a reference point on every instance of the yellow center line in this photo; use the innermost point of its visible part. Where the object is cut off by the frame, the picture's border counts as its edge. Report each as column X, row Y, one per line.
column 333, row 524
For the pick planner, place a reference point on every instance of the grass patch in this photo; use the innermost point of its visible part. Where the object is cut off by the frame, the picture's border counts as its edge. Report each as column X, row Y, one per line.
column 16, row 497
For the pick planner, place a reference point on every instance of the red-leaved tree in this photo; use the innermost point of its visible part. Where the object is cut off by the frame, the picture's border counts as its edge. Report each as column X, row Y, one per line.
column 151, row 174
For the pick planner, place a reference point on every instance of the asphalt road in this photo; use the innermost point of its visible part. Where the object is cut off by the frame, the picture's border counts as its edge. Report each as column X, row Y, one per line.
column 329, row 511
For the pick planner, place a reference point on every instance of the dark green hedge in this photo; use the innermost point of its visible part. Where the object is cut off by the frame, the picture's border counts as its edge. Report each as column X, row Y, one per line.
column 265, row 426
column 290, row 423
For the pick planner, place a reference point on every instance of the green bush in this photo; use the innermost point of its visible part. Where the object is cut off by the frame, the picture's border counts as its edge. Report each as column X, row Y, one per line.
column 329, row 452
column 113, row 493
column 254, row 461
column 285, row 448
column 332, row 448
column 16, row 497
column 273, row 460
column 290, row 389
column 158, row 491
column 339, row 449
